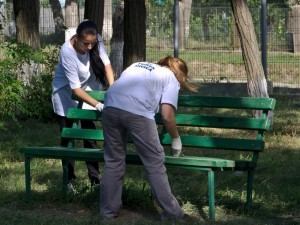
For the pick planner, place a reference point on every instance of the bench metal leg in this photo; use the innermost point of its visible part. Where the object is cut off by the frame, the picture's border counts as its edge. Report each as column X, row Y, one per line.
column 65, row 176
column 27, row 180
column 249, row 188
column 211, row 194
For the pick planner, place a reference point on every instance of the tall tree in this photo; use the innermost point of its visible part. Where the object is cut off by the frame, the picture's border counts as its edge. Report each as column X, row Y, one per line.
column 256, row 81
column 257, row 84
column 27, row 22
column 94, row 10
column 185, row 7
column 57, row 15
column 10, row 17
column 72, row 14
column 135, row 32
column 117, row 40
column 293, row 25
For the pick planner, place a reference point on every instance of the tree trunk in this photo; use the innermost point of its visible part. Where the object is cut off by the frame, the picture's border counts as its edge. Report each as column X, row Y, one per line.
column 117, row 40
column 27, row 22
column 256, row 81
column 184, row 21
column 257, row 85
column 107, row 21
column 135, row 32
column 181, row 34
column 3, row 23
column 94, row 10
column 10, row 19
column 293, row 27
column 205, row 23
column 187, row 16
column 57, row 16
column 27, row 32
column 72, row 15
column 236, row 43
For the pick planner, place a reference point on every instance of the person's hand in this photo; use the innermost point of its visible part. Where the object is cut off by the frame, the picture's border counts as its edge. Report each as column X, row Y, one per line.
column 176, row 147
column 99, row 106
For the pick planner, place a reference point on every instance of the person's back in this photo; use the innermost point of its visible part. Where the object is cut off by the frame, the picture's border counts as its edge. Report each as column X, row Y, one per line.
column 141, row 87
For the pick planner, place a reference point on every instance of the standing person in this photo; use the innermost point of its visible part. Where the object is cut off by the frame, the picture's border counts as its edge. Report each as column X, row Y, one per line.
column 83, row 65
column 129, row 108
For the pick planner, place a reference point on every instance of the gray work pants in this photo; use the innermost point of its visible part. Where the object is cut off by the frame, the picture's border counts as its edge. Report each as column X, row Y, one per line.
column 143, row 131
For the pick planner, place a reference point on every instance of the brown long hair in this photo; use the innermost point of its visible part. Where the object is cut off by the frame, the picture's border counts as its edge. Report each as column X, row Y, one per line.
column 179, row 68
column 88, row 27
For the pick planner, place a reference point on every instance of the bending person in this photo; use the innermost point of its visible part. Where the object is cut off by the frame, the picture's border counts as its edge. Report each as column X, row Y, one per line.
column 129, row 109
column 83, row 65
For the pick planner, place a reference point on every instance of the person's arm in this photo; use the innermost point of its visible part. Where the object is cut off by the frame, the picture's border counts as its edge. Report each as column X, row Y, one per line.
column 168, row 117
column 109, row 74
column 82, row 95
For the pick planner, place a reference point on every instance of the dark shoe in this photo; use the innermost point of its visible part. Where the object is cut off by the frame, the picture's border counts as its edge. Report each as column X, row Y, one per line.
column 95, row 181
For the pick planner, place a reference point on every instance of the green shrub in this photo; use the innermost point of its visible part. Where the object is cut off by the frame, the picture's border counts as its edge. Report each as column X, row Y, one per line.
column 25, row 87
column 11, row 92
column 37, row 98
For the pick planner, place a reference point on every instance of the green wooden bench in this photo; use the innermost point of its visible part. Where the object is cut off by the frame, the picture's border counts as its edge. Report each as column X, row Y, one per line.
column 200, row 120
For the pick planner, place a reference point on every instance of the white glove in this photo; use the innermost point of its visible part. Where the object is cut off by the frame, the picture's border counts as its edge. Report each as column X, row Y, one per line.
column 176, row 147
column 99, row 106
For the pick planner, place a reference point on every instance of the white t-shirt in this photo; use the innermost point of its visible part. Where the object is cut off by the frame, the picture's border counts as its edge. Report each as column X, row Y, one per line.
column 142, row 88
column 73, row 71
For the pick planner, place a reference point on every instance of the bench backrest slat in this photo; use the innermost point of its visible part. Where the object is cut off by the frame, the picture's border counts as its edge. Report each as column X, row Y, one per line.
column 188, row 120
column 84, row 134
column 227, row 102
column 98, row 95
column 82, row 114
column 219, row 122
column 187, row 140
column 216, row 142
column 211, row 102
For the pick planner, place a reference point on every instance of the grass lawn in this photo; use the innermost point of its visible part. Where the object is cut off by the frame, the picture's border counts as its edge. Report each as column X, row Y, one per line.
column 276, row 188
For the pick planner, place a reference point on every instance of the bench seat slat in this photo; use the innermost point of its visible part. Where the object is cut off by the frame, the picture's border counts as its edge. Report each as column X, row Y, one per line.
column 59, row 152
column 132, row 157
column 189, row 161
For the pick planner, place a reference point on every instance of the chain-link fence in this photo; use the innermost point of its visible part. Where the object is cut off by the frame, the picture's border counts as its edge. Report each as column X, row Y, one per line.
column 211, row 44
column 208, row 41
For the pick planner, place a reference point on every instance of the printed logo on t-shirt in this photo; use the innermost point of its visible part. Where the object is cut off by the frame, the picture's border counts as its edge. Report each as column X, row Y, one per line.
column 146, row 66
